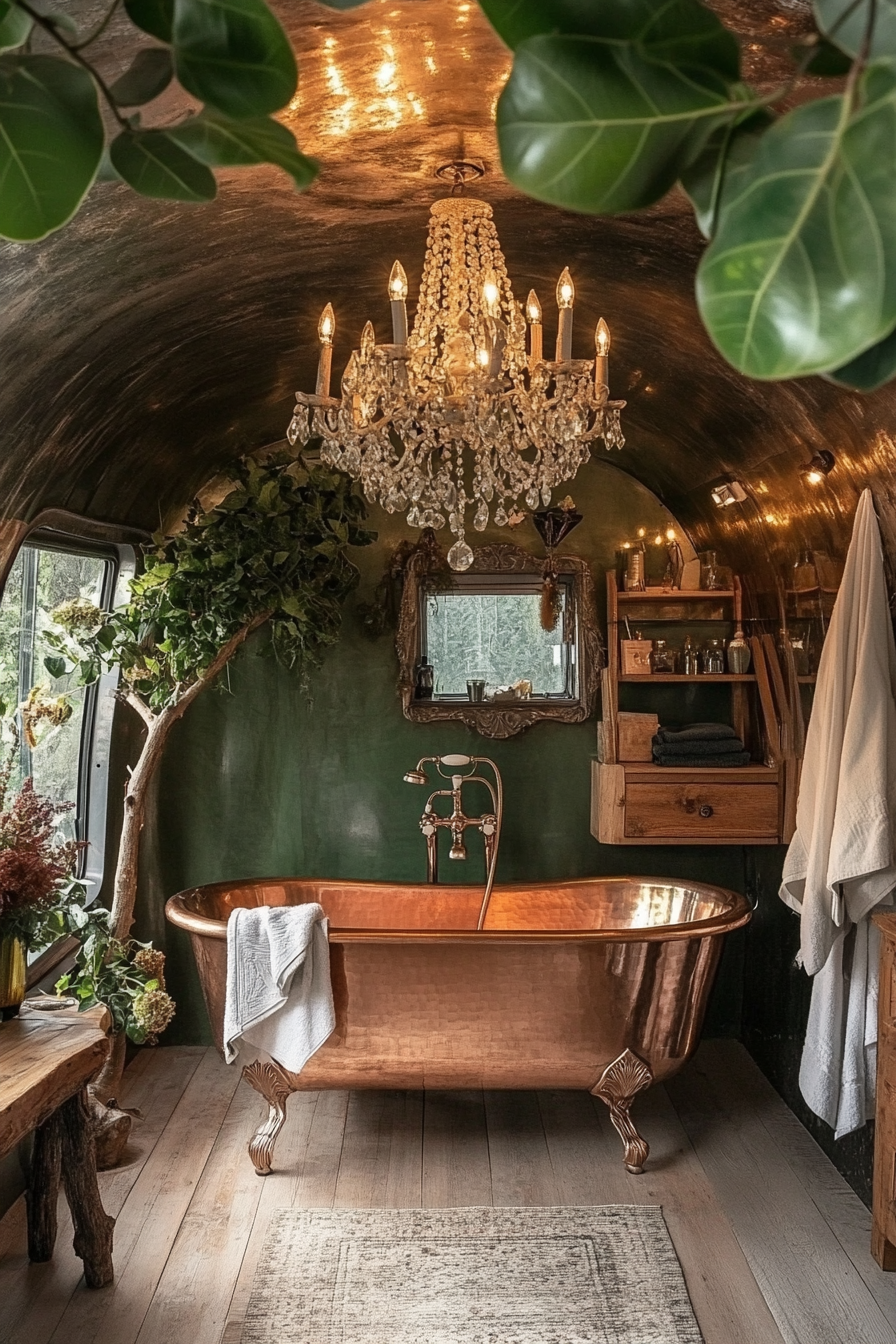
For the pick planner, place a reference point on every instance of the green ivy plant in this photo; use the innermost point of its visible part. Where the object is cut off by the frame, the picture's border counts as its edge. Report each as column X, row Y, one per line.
column 272, row 552
column 231, row 56
column 609, row 105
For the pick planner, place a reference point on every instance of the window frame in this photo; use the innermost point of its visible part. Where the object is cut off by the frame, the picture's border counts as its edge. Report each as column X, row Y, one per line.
column 57, row 529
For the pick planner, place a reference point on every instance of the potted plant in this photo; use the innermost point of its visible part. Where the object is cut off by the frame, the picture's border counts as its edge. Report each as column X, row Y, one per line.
column 36, row 880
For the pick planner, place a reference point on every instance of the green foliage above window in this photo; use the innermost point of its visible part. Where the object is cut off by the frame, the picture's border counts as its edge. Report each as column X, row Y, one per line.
column 609, row 105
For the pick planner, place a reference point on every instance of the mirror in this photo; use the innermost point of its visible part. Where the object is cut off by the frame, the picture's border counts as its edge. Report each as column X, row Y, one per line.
column 493, row 665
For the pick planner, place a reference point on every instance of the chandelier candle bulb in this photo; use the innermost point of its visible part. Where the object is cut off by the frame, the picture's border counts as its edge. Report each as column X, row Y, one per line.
column 566, row 293
column 398, row 293
column 533, row 317
column 326, row 329
column 602, row 357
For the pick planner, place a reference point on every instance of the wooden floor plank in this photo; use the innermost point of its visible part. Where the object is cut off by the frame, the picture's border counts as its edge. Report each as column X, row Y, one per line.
column 456, row 1170
column 382, row 1154
column 517, row 1150
column 34, row 1297
column 810, row 1283
column 278, row 1191
column 153, row 1212
column 749, row 1091
column 207, row 1254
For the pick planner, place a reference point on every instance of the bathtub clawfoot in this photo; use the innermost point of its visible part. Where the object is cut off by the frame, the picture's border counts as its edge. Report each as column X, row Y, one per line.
column 274, row 1085
column 618, row 1085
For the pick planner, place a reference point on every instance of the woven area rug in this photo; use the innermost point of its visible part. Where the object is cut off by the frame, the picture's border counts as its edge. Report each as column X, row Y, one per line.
column 469, row 1276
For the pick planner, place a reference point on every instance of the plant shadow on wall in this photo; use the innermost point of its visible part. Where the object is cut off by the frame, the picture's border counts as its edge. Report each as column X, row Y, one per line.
column 271, row 552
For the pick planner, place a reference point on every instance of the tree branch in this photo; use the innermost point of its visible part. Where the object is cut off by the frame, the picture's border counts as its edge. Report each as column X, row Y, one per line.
column 49, row 27
column 136, row 703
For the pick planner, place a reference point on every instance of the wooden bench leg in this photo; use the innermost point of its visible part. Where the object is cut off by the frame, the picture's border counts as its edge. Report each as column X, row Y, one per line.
column 42, row 1195
column 93, row 1226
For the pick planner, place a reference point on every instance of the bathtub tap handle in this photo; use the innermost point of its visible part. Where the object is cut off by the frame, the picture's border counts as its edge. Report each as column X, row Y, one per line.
column 455, row 760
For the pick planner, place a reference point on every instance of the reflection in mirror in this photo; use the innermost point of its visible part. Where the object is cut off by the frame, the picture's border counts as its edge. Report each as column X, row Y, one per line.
column 475, row 646
column 488, row 628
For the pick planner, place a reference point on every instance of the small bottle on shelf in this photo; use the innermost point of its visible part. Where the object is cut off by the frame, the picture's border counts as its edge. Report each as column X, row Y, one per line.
column 663, row 659
column 690, row 658
column 738, row 654
column 714, row 657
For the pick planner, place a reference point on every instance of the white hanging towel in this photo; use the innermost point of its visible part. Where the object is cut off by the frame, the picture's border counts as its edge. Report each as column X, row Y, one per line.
column 279, row 995
column 840, row 863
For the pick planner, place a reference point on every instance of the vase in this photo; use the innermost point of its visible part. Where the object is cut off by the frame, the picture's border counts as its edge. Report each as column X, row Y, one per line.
column 12, row 977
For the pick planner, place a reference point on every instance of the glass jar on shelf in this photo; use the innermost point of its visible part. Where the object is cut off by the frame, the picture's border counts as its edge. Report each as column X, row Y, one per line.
column 709, row 572
column 663, row 659
column 714, row 657
column 805, row 575
column 738, row 654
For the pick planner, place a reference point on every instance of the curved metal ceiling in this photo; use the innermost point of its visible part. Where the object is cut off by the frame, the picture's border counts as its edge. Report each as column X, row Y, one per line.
column 146, row 344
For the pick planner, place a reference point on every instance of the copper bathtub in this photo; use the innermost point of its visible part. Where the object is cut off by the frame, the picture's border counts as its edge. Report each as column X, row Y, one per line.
column 596, row 983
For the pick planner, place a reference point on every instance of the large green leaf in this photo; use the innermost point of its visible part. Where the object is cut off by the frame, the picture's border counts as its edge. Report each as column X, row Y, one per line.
column 801, row 275
column 51, row 140
column 155, row 165
column 222, row 143
column 234, row 55
column 680, row 31
column 869, row 370
column 595, row 126
column 846, row 23
column 714, row 177
column 148, row 75
column 342, row 4
column 15, row 25
column 152, row 16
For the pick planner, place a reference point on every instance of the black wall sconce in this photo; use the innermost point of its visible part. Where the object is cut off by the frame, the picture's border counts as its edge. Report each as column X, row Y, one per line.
column 820, row 464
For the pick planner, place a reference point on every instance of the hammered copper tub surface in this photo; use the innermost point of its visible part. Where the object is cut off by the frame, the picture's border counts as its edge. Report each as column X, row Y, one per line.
column 597, row 983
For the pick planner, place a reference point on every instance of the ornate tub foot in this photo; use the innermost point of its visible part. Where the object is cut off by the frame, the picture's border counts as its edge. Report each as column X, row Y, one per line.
column 618, row 1085
column 274, row 1085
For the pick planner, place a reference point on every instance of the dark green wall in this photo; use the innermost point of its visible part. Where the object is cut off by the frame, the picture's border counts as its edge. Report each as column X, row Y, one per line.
column 262, row 781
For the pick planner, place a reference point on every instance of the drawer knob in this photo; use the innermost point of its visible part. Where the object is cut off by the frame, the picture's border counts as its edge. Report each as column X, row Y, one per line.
column 705, row 810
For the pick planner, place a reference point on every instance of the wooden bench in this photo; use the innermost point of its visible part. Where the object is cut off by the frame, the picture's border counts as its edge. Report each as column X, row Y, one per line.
column 46, row 1062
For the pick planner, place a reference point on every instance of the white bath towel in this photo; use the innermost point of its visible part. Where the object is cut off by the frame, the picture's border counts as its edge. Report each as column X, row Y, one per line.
column 279, row 995
column 840, row 863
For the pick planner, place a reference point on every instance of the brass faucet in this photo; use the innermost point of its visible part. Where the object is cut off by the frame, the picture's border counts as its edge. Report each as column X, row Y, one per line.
column 489, row 823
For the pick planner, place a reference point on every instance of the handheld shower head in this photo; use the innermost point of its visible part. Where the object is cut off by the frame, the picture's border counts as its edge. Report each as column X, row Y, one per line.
column 415, row 777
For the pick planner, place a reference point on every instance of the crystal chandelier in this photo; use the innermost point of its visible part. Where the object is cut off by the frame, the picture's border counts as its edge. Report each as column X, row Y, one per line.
column 462, row 412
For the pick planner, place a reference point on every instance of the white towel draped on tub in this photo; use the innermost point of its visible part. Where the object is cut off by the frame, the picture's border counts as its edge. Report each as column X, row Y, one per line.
column 840, row 863
column 279, row 995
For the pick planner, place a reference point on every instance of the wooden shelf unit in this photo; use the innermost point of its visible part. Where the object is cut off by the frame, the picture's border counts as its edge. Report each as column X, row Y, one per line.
column 640, row 803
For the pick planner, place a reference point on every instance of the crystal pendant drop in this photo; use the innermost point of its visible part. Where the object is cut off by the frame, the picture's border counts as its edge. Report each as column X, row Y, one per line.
column 500, row 516
column 532, row 498
column 480, row 518
column 460, row 557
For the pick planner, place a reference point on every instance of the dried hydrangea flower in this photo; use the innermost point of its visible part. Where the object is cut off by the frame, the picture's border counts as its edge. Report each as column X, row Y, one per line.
column 153, row 1010
column 152, row 962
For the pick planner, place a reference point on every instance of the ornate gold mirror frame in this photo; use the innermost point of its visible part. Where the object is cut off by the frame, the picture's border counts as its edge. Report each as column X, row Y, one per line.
column 506, row 718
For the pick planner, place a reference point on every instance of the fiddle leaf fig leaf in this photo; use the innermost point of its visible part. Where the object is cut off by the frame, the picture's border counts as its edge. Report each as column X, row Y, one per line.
column 713, row 178
column 222, row 143
column 148, row 75
column 800, row 277
column 845, row 23
column 152, row 16
column 15, row 25
column 51, row 140
column 596, row 126
column 682, row 32
column 234, row 55
column 154, row 164
column 871, row 369
column 342, row 4
column 827, row 60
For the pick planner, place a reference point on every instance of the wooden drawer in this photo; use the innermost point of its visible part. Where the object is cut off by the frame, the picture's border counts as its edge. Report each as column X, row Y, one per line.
column 700, row 810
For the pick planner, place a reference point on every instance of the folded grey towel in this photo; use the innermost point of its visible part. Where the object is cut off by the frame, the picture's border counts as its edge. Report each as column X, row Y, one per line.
column 710, row 762
column 705, row 747
column 697, row 732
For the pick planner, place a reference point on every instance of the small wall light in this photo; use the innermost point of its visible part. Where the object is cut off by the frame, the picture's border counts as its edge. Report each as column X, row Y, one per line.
column 727, row 492
column 818, row 466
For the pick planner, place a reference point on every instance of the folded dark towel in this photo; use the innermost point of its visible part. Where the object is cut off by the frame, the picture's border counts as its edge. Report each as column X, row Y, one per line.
column 710, row 762
column 706, row 747
column 697, row 732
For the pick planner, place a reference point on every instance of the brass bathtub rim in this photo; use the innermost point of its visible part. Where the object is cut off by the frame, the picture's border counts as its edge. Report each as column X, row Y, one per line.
column 736, row 916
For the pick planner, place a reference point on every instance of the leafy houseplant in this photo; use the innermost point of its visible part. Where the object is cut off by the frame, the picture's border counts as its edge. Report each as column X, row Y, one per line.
column 609, row 105
column 271, row 552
